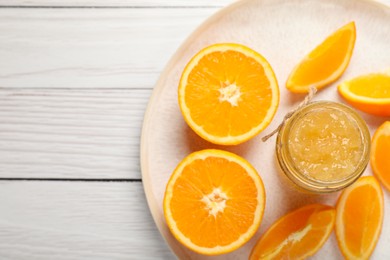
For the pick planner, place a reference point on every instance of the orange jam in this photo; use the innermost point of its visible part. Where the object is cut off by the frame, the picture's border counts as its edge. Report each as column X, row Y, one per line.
column 323, row 147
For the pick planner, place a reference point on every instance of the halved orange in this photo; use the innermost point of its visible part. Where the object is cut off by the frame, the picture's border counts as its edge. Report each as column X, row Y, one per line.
column 359, row 218
column 369, row 93
column 326, row 63
column 214, row 202
column 228, row 93
column 380, row 151
column 297, row 235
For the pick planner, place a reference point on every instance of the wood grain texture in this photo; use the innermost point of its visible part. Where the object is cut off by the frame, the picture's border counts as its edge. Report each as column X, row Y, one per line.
column 90, row 48
column 71, row 133
column 54, row 220
column 117, row 3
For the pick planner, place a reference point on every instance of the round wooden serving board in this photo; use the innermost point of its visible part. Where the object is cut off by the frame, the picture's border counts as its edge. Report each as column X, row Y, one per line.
column 283, row 32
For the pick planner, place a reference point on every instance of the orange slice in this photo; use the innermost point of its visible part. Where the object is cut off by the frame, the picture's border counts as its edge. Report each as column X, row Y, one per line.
column 228, row 93
column 380, row 151
column 369, row 93
column 297, row 235
column 359, row 218
column 326, row 63
column 214, row 202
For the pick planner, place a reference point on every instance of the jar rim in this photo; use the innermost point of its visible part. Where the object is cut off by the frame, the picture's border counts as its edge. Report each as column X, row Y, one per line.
column 311, row 184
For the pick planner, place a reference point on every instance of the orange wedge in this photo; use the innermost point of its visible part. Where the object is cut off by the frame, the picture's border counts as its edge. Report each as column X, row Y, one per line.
column 297, row 235
column 326, row 63
column 228, row 93
column 369, row 93
column 214, row 202
column 380, row 150
column 359, row 218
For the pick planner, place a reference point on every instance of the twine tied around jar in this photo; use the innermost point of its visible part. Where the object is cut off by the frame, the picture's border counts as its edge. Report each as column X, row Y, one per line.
column 306, row 101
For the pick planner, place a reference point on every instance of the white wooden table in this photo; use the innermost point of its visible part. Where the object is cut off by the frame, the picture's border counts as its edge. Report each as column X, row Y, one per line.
column 75, row 79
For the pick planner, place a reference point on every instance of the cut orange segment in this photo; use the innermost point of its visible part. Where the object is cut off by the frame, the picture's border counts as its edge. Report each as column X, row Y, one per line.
column 297, row 235
column 214, row 202
column 326, row 63
column 369, row 93
column 380, row 150
column 228, row 93
column 359, row 218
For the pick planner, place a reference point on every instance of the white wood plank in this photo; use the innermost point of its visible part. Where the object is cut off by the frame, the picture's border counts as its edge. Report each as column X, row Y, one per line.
column 117, row 3
column 71, row 133
column 77, row 220
column 91, row 48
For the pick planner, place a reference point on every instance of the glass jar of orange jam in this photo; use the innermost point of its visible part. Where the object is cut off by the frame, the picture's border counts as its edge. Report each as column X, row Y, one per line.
column 323, row 147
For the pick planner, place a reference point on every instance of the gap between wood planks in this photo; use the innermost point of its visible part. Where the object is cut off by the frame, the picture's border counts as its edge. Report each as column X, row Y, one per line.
column 71, row 179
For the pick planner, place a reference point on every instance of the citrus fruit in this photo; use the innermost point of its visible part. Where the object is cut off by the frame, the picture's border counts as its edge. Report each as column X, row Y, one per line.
column 369, row 93
column 228, row 93
column 325, row 63
column 359, row 217
column 214, row 202
column 380, row 150
column 297, row 235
